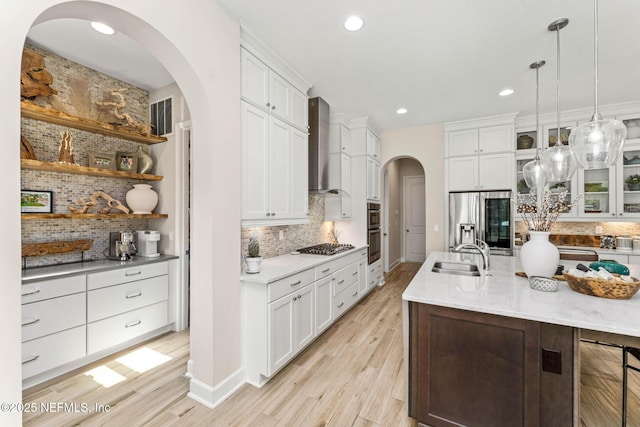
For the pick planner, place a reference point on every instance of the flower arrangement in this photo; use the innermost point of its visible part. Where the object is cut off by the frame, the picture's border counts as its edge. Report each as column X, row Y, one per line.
column 542, row 215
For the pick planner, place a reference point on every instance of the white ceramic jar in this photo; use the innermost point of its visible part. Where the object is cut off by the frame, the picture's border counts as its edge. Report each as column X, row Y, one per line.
column 142, row 199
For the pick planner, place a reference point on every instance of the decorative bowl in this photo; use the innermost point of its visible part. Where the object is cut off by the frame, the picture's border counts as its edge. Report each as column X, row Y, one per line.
column 602, row 288
column 544, row 284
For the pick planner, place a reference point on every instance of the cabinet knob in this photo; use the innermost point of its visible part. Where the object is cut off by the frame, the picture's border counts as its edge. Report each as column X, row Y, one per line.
column 273, row 107
column 268, row 104
column 481, row 150
column 295, row 298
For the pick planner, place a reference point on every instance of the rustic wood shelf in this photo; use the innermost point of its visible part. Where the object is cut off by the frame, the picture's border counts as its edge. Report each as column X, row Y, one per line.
column 37, row 112
column 85, row 170
column 29, row 216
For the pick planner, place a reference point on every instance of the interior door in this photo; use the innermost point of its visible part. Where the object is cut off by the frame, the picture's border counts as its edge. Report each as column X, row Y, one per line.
column 414, row 219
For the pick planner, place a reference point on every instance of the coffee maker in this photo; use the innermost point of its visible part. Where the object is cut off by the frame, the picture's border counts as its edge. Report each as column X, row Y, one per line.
column 148, row 243
column 121, row 247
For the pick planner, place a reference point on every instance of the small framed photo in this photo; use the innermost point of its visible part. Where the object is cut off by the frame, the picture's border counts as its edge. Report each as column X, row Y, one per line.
column 102, row 161
column 127, row 161
column 36, row 201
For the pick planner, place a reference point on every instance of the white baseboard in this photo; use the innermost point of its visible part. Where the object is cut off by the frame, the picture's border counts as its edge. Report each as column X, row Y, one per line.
column 394, row 264
column 212, row 396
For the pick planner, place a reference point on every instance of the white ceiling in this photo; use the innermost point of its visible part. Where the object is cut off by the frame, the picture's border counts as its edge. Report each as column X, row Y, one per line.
column 442, row 60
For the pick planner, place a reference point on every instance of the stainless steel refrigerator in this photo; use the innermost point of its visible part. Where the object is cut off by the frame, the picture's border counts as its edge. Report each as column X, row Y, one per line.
column 484, row 215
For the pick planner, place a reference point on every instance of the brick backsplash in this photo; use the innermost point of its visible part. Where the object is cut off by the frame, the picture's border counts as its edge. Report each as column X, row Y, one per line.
column 295, row 236
column 612, row 228
column 68, row 188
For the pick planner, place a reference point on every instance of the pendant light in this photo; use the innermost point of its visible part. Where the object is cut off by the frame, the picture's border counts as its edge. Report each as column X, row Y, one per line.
column 559, row 160
column 534, row 172
column 597, row 143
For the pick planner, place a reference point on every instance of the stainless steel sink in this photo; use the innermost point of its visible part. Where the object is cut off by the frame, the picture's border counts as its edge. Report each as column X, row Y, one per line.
column 455, row 267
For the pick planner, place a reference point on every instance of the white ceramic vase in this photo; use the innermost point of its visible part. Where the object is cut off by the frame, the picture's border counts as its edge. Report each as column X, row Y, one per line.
column 142, row 199
column 538, row 256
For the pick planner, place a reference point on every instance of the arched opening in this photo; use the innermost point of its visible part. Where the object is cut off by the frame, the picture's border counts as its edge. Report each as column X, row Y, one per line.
column 210, row 87
column 404, row 214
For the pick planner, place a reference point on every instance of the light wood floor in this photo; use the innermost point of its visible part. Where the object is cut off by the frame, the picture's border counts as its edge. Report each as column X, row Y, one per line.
column 352, row 375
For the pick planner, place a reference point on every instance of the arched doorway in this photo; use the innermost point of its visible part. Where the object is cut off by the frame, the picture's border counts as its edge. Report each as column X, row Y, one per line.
column 404, row 215
column 210, row 83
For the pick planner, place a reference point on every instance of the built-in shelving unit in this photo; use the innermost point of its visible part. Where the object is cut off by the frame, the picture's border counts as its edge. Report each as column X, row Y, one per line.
column 37, row 112
column 85, row 170
column 35, row 216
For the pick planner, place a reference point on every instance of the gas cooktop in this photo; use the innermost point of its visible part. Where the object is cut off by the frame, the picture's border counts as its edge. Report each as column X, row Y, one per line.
column 326, row 249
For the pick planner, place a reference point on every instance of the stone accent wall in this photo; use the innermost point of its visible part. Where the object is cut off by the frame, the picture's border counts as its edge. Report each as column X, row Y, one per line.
column 67, row 188
column 589, row 228
column 295, row 236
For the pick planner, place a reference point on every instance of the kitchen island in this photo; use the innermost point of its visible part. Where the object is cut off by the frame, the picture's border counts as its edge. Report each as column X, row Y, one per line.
column 489, row 350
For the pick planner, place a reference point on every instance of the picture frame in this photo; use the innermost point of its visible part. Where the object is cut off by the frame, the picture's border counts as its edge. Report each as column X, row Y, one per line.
column 36, row 201
column 127, row 162
column 102, row 161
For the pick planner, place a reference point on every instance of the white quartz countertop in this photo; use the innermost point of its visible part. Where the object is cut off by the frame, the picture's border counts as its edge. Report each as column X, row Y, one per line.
column 75, row 268
column 279, row 267
column 499, row 291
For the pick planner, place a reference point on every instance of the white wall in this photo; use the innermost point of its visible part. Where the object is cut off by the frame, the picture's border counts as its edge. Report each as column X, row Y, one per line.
column 426, row 145
column 210, row 83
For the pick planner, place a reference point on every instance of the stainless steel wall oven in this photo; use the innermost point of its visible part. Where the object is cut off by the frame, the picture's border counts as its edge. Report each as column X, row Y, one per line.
column 374, row 234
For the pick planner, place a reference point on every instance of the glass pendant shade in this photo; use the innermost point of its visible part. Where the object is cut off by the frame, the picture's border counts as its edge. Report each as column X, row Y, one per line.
column 559, row 163
column 598, row 143
column 535, row 174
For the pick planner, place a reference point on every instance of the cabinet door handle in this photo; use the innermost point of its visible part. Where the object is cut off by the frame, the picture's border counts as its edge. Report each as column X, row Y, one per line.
column 296, row 284
column 133, row 273
column 132, row 324
column 37, row 291
column 341, row 304
column 32, row 359
column 326, row 270
column 341, row 282
column 355, row 273
column 31, row 322
column 137, row 294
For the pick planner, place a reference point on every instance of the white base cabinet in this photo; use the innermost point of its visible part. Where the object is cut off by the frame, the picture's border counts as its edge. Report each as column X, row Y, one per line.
column 70, row 321
column 282, row 317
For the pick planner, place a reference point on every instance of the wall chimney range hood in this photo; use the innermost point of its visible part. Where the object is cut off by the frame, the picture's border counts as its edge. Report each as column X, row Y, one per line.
column 319, row 149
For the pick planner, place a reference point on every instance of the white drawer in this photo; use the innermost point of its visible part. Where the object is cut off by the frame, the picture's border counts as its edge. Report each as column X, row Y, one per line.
column 38, row 291
column 345, row 278
column 363, row 253
column 106, row 302
column 334, row 265
column 343, row 301
column 53, row 315
column 114, row 330
column 282, row 287
column 53, row 350
column 127, row 274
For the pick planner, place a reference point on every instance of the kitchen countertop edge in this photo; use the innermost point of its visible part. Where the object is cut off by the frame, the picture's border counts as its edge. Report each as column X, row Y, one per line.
column 57, row 271
column 279, row 267
column 505, row 294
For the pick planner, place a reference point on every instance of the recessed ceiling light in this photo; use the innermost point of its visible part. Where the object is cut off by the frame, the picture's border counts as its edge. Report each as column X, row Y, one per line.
column 353, row 23
column 506, row 92
column 102, row 28
column 401, row 111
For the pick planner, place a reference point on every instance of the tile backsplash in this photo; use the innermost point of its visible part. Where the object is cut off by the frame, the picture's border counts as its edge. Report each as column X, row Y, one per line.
column 295, row 236
column 612, row 228
column 45, row 137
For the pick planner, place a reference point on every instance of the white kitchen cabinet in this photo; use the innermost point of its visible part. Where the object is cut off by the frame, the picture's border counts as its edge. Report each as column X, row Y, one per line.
column 126, row 303
column 324, row 303
column 282, row 317
column 373, row 179
column 485, row 172
column 373, row 145
column 53, row 318
column 363, row 262
column 481, row 140
column 271, row 92
column 274, row 176
column 375, row 274
column 338, row 208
